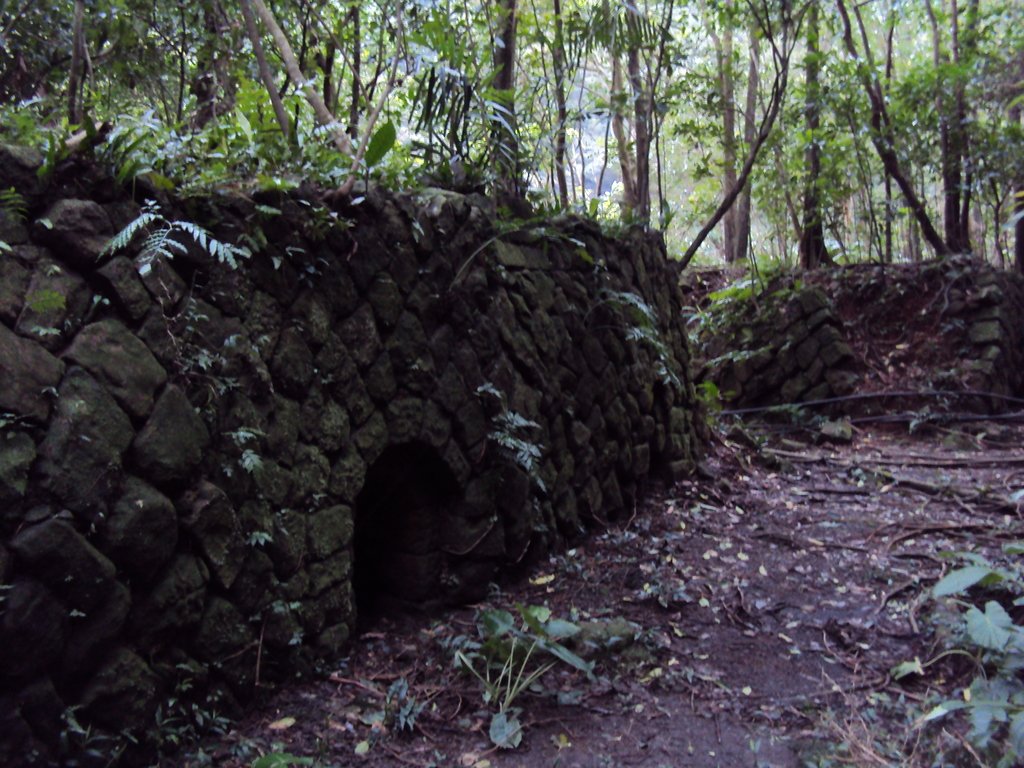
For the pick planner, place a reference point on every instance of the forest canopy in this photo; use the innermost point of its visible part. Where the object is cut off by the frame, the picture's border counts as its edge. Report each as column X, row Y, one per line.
column 779, row 132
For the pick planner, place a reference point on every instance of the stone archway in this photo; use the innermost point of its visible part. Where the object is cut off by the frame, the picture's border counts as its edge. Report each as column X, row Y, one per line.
column 398, row 560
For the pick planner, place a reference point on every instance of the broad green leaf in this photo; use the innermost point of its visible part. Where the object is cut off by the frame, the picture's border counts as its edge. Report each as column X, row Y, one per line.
column 564, row 654
column 1016, row 547
column 1017, row 733
column 496, row 623
column 991, row 629
column 907, row 668
column 381, row 143
column 943, row 709
column 559, row 629
column 961, row 579
column 280, row 760
column 505, row 731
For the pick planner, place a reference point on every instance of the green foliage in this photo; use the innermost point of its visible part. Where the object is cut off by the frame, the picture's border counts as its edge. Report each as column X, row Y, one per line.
column 993, row 640
column 160, row 240
column 280, row 760
column 505, row 662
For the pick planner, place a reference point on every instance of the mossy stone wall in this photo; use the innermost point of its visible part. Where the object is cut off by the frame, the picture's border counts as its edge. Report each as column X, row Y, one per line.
column 185, row 446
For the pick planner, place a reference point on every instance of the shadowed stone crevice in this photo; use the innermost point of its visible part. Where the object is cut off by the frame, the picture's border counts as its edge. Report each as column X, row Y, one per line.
column 398, row 560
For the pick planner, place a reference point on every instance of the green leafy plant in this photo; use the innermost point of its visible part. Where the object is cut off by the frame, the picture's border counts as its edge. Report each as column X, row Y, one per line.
column 280, row 760
column 161, row 240
column 506, row 662
column 993, row 640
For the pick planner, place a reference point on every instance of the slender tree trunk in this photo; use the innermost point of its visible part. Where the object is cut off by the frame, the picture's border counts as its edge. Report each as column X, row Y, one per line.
column 506, row 133
column 77, row 64
column 323, row 115
column 1018, row 208
column 882, row 135
column 357, row 71
column 641, row 124
column 813, row 252
column 778, row 92
column 264, row 68
column 213, row 83
column 749, row 135
column 724, row 44
column 558, row 63
column 626, row 168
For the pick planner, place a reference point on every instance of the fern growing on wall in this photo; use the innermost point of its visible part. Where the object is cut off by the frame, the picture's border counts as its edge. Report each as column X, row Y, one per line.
column 163, row 239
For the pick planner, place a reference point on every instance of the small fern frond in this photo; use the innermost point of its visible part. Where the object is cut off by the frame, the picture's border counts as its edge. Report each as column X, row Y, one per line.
column 150, row 214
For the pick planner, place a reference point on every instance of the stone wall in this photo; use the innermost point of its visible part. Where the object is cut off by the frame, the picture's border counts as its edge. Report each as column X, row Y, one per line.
column 206, row 471
column 954, row 326
column 784, row 346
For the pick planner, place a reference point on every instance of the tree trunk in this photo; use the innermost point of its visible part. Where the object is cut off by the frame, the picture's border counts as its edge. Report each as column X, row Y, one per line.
column 626, row 168
column 749, row 136
column 77, row 64
column 505, row 131
column 265, row 74
column 323, row 115
column 813, row 252
column 558, row 63
column 728, row 93
column 213, row 85
column 641, row 124
column 882, row 135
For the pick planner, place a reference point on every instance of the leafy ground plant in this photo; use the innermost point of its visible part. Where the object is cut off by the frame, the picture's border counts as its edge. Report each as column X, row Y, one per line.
column 992, row 638
column 508, row 661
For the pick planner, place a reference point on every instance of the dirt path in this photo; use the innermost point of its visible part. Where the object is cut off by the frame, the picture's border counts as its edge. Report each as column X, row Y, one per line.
column 769, row 606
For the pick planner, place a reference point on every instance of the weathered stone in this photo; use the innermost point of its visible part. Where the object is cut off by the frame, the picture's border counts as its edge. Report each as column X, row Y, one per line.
column 14, row 282
column 29, row 374
column 273, row 482
column 283, row 430
column 314, row 317
column 386, row 300
column 123, row 693
column 310, row 475
column 17, row 452
column 380, row 380
column 125, row 287
column 292, row 364
column 359, row 333
column 254, row 589
column 372, row 438
column 121, row 362
column 141, row 531
column 333, row 429
column 172, row 441
column 19, row 168
column 175, row 604
column 62, row 559
column 33, row 628
column 210, row 518
column 332, row 640
column 329, row 572
column 76, row 230
column 985, row 332
column 404, row 419
column 94, row 632
column 222, row 631
column 347, row 476
column 470, row 423
column 835, row 353
column 329, row 531
column 436, row 427
column 837, row 431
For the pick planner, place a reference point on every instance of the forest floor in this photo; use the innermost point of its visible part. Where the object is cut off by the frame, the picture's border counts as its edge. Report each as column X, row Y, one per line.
column 766, row 610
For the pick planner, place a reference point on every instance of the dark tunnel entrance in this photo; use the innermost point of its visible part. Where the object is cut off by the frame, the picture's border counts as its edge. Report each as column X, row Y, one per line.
column 398, row 559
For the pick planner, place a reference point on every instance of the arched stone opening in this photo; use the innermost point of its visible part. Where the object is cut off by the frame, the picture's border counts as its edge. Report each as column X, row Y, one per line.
column 398, row 560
